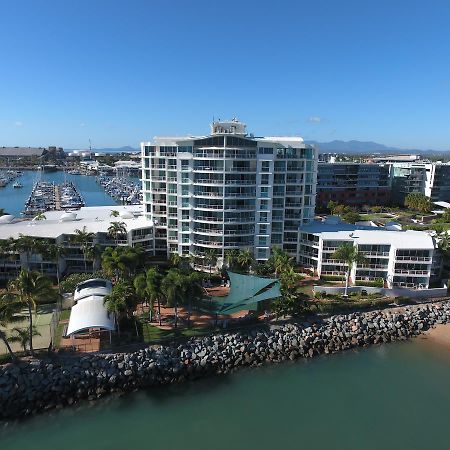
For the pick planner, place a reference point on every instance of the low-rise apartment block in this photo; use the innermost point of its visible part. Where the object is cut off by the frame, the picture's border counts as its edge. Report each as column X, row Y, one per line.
column 401, row 258
column 60, row 227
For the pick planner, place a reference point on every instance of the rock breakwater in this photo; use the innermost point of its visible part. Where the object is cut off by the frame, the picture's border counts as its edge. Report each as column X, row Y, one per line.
column 32, row 386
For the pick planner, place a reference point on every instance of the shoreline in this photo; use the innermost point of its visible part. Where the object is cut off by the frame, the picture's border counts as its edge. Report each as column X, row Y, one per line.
column 32, row 386
column 438, row 336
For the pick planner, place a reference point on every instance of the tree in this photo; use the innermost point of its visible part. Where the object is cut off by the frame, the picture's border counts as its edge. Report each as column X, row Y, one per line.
column 245, row 259
column 351, row 217
column 114, row 213
column 148, row 286
column 54, row 252
column 172, row 289
column 122, row 262
column 117, row 230
column 349, row 255
column 29, row 288
column 23, row 336
column 175, row 259
column 192, row 289
column 418, row 201
column 210, row 258
column 331, row 206
column 231, row 257
column 116, row 303
column 83, row 238
column 94, row 252
column 9, row 307
column 27, row 245
column 279, row 260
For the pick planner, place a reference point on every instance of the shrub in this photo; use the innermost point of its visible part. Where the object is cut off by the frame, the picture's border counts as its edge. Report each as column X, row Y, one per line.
column 373, row 283
column 332, row 277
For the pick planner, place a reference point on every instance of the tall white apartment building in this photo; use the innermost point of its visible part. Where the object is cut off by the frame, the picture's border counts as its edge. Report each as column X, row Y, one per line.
column 228, row 190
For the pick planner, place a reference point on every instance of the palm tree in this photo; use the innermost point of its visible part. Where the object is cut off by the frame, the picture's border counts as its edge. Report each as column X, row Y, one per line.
column 172, row 289
column 116, row 230
column 114, row 213
column 9, row 307
column 27, row 245
column 84, row 239
column 115, row 304
column 175, row 259
column 231, row 257
column 210, row 258
column 148, row 286
column 94, row 252
column 349, row 255
column 193, row 290
column 23, row 336
column 54, row 252
column 280, row 260
column 29, row 288
column 245, row 259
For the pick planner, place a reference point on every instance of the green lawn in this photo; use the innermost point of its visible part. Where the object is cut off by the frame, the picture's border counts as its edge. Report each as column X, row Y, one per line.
column 59, row 330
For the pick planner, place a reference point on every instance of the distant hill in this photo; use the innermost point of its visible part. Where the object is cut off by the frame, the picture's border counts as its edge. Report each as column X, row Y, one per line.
column 365, row 147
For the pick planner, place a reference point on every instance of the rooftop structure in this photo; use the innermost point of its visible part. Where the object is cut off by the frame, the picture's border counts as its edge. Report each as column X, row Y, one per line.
column 228, row 190
column 400, row 258
column 89, row 311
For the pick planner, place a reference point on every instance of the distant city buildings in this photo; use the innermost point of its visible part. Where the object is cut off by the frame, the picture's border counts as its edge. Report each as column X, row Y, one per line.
column 228, row 190
column 353, row 184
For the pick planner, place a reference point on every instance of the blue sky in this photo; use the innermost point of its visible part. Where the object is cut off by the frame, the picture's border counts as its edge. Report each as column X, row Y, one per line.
column 120, row 72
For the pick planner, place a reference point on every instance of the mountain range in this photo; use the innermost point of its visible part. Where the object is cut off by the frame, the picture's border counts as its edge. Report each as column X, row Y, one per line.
column 335, row 146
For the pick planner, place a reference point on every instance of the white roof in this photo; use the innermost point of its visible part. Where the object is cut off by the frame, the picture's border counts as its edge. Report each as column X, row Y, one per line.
column 90, row 313
column 442, row 204
column 94, row 286
column 400, row 239
column 94, row 218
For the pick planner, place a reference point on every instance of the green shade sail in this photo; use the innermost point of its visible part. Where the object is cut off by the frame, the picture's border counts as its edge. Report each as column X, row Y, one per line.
column 246, row 292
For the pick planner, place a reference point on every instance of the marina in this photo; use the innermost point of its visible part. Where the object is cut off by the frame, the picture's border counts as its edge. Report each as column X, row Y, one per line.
column 124, row 189
column 7, row 176
column 49, row 196
column 12, row 199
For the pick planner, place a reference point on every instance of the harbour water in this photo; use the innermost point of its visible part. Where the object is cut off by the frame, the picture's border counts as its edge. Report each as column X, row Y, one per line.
column 390, row 397
column 12, row 200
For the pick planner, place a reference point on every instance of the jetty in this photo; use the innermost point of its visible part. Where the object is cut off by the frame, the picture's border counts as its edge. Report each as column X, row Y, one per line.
column 46, row 196
column 6, row 176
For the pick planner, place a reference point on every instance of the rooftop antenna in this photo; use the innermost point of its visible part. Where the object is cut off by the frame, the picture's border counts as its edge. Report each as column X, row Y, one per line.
column 90, row 147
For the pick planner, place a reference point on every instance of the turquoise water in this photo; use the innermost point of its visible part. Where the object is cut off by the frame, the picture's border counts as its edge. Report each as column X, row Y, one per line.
column 390, row 397
column 13, row 200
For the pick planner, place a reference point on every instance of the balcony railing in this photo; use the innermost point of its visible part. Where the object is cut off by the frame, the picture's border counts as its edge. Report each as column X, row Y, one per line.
column 413, row 258
column 410, row 272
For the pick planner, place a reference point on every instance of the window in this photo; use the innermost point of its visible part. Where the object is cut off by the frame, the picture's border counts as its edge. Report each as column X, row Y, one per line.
column 264, row 192
column 184, row 164
column 264, row 204
column 263, row 229
column 265, row 166
column 265, row 151
column 263, row 217
column 185, row 215
column 265, row 178
column 262, row 240
column 261, row 253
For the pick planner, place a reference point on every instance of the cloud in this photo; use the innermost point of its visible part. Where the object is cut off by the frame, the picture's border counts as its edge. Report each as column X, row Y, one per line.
column 18, row 123
column 82, row 124
column 315, row 119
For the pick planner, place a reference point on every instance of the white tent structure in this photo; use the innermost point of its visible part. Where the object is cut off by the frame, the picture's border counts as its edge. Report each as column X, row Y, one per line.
column 89, row 311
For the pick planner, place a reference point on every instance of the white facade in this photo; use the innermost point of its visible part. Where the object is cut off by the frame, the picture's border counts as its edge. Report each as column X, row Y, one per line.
column 402, row 258
column 59, row 227
column 228, row 190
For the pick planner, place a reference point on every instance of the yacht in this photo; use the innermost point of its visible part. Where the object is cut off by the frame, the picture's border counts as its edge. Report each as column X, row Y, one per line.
column 17, row 184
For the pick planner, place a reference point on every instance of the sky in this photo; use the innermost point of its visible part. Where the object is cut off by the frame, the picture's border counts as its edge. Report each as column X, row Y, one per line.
column 121, row 72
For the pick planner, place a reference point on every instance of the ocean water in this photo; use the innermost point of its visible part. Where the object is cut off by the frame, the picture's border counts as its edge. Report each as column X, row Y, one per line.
column 13, row 200
column 389, row 397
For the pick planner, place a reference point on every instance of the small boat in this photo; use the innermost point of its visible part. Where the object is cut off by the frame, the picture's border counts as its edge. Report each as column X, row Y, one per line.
column 17, row 185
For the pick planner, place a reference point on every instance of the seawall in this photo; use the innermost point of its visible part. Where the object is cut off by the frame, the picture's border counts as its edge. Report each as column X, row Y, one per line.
column 32, row 386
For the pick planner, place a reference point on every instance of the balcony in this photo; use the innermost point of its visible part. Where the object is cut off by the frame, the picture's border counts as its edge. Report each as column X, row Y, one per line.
column 414, row 258
column 410, row 272
column 376, row 254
